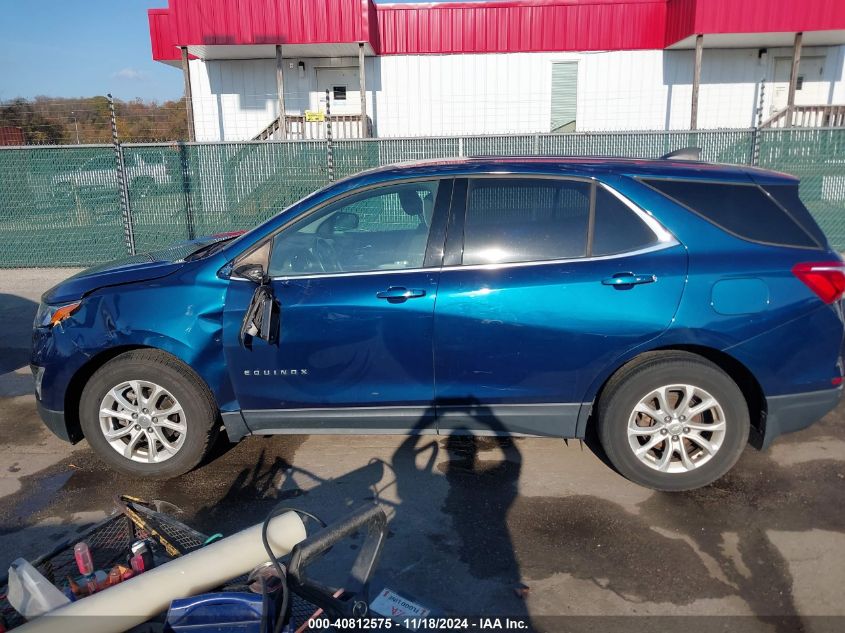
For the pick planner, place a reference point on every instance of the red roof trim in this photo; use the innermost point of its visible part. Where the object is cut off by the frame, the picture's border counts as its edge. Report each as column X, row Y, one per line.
column 502, row 4
column 492, row 26
column 521, row 25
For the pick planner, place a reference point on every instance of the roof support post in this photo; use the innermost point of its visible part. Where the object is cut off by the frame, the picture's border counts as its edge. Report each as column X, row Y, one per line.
column 696, row 81
column 280, row 90
column 189, row 99
column 793, row 78
column 362, row 85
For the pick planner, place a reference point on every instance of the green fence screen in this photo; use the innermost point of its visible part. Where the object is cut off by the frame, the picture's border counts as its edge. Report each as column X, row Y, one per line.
column 60, row 206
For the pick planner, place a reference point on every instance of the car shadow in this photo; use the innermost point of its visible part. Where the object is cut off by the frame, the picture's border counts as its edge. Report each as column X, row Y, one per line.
column 16, row 315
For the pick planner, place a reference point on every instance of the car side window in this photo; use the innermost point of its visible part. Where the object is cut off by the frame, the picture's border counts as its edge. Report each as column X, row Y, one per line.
column 525, row 219
column 739, row 208
column 617, row 228
column 378, row 229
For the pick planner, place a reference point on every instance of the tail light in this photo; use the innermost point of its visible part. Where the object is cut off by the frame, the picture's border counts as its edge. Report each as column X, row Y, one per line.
column 826, row 279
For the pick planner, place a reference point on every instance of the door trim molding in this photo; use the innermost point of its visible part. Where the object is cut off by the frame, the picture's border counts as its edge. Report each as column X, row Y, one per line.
column 322, row 420
column 527, row 419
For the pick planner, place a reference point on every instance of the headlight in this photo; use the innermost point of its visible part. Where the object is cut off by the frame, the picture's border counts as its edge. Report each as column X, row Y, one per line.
column 49, row 315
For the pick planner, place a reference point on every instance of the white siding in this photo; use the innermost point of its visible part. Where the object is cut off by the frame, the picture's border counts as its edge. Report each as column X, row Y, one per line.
column 428, row 95
column 236, row 99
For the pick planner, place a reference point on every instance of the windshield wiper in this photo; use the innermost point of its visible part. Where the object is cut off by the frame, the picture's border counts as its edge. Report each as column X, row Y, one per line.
column 209, row 249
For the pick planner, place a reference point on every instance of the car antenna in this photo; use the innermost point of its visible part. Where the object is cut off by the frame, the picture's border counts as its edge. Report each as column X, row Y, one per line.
column 685, row 153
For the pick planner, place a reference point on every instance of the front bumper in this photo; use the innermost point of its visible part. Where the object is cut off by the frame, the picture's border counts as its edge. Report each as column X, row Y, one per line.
column 55, row 421
column 794, row 412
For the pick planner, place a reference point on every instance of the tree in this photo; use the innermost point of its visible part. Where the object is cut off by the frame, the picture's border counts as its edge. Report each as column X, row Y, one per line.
column 38, row 127
column 47, row 120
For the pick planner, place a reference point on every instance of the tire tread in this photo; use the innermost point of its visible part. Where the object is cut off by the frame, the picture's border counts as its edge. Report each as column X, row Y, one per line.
column 680, row 360
column 150, row 359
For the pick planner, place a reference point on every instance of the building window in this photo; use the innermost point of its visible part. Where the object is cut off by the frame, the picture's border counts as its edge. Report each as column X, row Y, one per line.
column 339, row 93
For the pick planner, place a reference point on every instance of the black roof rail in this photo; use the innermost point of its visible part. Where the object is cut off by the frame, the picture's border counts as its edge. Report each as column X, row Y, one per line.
column 685, row 153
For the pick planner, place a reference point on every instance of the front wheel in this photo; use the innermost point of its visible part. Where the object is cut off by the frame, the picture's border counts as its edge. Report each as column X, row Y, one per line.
column 673, row 421
column 148, row 415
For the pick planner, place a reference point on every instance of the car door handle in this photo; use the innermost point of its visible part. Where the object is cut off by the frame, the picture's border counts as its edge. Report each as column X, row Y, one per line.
column 399, row 293
column 628, row 279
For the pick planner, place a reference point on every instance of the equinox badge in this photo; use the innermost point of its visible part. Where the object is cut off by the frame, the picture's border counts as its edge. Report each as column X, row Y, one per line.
column 275, row 372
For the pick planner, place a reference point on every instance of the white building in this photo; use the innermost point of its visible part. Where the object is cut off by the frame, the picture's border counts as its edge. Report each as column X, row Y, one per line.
column 499, row 67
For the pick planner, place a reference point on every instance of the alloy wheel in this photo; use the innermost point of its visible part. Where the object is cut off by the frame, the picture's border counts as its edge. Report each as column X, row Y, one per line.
column 143, row 421
column 676, row 428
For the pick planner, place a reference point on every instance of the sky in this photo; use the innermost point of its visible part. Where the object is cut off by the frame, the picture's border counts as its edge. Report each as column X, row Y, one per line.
column 82, row 48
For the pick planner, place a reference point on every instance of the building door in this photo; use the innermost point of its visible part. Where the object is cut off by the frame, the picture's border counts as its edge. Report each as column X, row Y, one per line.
column 344, row 90
column 564, row 96
column 811, row 89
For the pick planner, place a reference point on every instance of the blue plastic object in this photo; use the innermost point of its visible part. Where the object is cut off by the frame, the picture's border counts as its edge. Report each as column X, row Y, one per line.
column 217, row 613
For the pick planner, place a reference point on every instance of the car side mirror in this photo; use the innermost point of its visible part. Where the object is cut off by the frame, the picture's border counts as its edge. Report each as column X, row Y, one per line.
column 345, row 221
column 254, row 272
column 262, row 318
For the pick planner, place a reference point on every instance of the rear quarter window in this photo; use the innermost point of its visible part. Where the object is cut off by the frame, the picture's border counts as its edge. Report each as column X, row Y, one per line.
column 744, row 210
column 787, row 196
column 617, row 228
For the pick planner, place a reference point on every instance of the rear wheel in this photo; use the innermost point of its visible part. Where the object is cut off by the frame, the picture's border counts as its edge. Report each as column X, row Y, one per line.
column 147, row 414
column 672, row 421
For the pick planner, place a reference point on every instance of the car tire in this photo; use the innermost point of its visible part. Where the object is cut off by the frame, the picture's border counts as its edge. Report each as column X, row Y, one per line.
column 176, row 412
column 672, row 421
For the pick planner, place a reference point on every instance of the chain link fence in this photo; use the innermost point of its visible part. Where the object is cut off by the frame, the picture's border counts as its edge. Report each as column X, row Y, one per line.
column 60, row 206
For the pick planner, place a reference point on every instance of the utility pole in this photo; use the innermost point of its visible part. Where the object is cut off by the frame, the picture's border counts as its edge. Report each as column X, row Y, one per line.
column 189, row 101
column 793, row 78
column 75, row 125
column 696, row 81
column 280, row 90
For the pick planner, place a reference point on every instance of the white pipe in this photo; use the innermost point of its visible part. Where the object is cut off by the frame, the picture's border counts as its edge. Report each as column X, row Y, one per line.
column 136, row 600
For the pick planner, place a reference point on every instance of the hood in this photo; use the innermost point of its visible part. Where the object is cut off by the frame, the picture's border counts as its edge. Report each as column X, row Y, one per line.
column 132, row 269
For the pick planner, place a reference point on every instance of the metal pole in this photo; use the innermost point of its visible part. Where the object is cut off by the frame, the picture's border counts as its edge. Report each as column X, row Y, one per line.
column 280, row 89
column 755, row 138
column 329, row 147
column 793, row 78
column 362, row 81
column 185, row 167
column 76, row 126
column 189, row 99
column 123, row 190
column 696, row 81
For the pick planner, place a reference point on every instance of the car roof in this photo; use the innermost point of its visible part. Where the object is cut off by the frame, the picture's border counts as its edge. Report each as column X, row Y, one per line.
column 586, row 166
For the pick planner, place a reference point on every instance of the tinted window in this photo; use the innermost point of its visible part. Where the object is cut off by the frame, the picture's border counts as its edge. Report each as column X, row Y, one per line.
column 617, row 228
column 520, row 219
column 378, row 229
column 787, row 196
column 744, row 210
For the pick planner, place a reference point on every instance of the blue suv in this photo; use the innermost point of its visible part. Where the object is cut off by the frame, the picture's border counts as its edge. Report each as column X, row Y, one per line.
column 679, row 309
